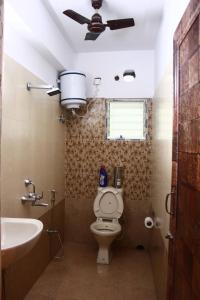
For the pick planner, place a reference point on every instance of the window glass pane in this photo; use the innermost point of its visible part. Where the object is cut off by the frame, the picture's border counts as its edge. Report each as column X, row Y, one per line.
column 126, row 120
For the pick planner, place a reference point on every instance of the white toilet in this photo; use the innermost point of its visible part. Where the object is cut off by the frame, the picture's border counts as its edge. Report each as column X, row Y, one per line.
column 108, row 208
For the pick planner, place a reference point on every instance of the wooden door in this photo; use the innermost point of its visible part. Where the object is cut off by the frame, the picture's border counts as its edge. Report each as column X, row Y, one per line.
column 184, row 248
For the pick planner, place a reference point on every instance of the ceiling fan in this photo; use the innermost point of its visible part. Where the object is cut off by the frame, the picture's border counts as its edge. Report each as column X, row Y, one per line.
column 95, row 25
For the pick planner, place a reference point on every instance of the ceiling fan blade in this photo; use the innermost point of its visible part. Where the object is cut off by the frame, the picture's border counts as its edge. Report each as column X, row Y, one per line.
column 91, row 36
column 76, row 17
column 120, row 23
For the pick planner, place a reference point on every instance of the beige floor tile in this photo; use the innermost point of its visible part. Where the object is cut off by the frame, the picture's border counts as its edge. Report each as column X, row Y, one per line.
column 78, row 277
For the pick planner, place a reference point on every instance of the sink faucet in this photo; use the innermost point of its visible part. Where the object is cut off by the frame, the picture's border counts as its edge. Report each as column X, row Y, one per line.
column 32, row 197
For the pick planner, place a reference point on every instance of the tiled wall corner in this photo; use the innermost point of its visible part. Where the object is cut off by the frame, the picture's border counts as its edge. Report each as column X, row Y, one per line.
column 86, row 149
column 161, row 176
column 32, row 142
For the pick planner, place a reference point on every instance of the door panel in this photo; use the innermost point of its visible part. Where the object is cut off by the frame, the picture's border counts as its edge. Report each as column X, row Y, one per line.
column 184, row 249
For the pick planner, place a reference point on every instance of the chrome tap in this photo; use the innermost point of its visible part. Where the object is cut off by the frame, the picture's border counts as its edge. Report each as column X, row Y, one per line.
column 32, row 197
column 29, row 182
column 37, row 203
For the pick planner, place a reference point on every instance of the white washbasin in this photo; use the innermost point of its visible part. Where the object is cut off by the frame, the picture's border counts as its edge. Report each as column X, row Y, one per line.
column 18, row 236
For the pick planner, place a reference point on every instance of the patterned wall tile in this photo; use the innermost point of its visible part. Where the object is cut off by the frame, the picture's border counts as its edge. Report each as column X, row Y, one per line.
column 86, row 149
column 91, row 125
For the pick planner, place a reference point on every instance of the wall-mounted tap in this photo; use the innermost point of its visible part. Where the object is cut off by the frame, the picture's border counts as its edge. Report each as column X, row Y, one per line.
column 32, row 197
column 29, row 182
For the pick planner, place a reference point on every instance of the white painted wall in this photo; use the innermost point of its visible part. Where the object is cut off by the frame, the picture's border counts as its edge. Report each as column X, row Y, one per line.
column 33, row 39
column 18, row 48
column 173, row 11
column 108, row 64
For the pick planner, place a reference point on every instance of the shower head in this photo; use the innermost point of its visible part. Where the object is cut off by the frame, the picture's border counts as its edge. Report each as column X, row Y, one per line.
column 53, row 91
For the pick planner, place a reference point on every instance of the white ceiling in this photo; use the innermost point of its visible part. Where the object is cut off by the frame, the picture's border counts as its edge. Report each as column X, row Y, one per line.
column 146, row 13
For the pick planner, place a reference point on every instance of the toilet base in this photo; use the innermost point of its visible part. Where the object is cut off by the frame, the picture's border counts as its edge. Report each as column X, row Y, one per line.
column 104, row 256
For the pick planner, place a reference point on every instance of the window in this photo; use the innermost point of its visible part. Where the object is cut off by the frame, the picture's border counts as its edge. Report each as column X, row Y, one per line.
column 126, row 119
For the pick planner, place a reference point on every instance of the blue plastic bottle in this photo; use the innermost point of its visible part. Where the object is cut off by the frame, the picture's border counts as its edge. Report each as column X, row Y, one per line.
column 103, row 177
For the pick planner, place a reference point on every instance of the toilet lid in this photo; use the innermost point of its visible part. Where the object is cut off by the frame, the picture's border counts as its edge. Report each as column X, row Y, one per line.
column 108, row 203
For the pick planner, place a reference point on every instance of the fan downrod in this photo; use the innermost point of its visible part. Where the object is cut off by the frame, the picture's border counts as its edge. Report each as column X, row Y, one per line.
column 97, row 3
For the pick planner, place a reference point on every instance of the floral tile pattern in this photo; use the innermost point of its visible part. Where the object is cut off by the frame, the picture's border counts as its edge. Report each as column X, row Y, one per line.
column 86, row 149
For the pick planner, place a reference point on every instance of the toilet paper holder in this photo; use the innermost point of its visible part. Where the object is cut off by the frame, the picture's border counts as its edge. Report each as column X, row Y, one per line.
column 149, row 222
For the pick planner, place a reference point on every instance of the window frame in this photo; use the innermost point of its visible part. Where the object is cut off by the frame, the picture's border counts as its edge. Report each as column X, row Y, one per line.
column 145, row 118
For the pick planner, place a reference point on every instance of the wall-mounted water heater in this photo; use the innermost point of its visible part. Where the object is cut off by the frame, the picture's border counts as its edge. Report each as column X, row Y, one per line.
column 73, row 89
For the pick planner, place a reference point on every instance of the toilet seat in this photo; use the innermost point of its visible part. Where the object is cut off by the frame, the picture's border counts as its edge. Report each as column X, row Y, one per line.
column 109, row 203
column 105, row 228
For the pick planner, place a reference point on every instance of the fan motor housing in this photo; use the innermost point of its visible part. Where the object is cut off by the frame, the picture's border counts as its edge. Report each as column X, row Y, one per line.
column 96, row 24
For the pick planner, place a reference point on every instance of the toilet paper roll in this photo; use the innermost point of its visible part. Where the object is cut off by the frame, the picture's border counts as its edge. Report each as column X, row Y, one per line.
column 148, row 222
